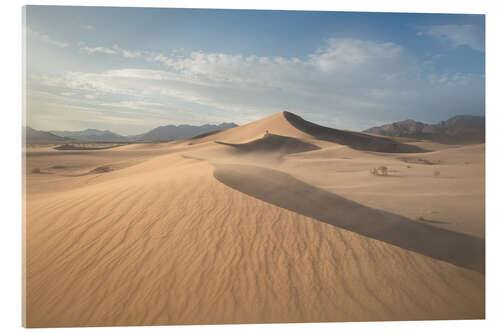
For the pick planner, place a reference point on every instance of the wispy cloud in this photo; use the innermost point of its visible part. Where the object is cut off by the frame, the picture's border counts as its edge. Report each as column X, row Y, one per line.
column 39, row 36
column 88, row 27
column 357, row 81
column 457, row 35
column 98, row 49
column 135, row 105
column 115, row 49
column 126, row 53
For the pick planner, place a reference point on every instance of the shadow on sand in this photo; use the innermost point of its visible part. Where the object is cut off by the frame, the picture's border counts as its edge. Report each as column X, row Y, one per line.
column 355, row 140
column 272, row 143
column 285, row 191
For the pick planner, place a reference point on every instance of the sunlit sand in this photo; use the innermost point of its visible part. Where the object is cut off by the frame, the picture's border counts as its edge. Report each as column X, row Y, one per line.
column 275, row 221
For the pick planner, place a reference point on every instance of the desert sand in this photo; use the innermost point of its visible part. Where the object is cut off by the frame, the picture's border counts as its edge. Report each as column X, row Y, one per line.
column 246, row 227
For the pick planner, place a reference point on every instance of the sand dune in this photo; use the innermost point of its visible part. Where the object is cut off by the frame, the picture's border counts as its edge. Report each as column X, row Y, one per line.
column 287, row 227
column 280, row 189
column 276, row 124
column 288, row 124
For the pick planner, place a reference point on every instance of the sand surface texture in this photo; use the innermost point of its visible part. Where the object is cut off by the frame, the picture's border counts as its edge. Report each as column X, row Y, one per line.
column 244, row 227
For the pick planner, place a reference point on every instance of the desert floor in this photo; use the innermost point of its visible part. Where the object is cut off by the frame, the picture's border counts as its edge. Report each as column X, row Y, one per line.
column 242, row 227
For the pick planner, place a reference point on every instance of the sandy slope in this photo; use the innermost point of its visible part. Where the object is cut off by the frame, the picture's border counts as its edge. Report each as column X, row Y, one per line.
column 173, row 234
column 277, row 124
column 454, row 199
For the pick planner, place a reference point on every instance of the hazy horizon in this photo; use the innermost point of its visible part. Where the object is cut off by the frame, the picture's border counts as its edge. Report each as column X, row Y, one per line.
column 129, row 70
column 209, row 124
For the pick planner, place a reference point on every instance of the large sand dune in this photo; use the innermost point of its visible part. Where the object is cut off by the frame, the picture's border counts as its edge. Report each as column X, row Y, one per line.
column 288, row 227
column 291, row 125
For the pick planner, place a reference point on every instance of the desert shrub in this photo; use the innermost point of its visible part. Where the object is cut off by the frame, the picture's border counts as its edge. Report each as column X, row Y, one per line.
column 35, row 170
column 380, row 171
column 383, row 170
column 437, row 173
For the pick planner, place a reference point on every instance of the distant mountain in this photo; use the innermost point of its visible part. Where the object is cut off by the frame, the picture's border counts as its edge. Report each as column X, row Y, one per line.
column 34, row 136
column 172, row 132
column 92, row 135
column 458, row 129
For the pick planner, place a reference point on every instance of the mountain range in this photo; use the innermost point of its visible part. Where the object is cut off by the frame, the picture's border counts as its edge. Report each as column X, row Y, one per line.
column 162, row 133
column 92, row 135
column 463, row 129
column 36, row 136
column 459, row 129
column 172, row 132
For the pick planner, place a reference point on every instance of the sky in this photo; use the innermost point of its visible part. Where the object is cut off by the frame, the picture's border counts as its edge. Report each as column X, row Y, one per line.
column 129, row 70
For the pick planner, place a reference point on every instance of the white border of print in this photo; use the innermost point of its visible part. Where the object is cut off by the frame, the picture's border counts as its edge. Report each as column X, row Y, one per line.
column 10, row 167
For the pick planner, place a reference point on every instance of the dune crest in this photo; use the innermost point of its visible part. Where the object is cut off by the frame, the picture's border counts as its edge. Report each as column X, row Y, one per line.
column 282, row 190
column 288, row 124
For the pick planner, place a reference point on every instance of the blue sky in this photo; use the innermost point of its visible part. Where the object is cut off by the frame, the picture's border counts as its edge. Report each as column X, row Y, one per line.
column 131, row 69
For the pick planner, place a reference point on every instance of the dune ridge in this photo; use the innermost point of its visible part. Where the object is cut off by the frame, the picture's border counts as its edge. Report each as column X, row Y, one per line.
column 282, row 190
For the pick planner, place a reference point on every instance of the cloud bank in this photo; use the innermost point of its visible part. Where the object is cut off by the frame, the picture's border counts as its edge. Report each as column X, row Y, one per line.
column 346, row 83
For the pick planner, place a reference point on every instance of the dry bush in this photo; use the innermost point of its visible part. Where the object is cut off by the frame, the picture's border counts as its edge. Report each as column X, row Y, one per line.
column 35, row 170
column 380, row 171
column 437, row 173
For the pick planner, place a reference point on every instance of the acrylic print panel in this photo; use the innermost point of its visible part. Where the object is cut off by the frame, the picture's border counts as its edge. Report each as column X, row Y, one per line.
column 197, row 166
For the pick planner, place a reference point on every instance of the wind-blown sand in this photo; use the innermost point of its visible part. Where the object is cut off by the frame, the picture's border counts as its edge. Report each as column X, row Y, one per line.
column 238, row 227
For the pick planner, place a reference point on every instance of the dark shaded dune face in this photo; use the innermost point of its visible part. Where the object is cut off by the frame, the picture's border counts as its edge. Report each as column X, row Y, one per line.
column 359, row 141
column 272, row 143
